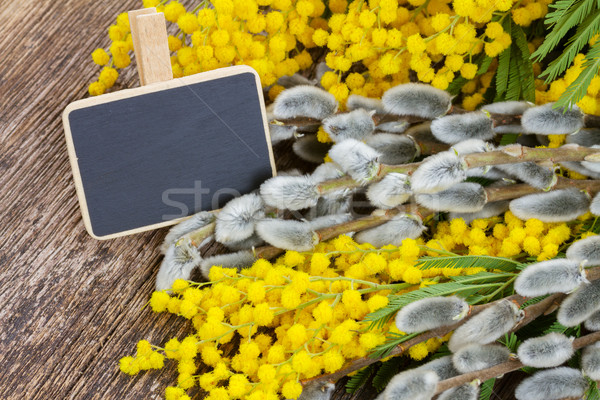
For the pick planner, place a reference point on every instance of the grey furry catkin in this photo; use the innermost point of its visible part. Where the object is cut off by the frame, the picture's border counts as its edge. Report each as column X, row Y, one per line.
column 492, row 209
column 443, row 367
column 357, row 159
column 585, row 137
column 304, row 101
column 593, row 322
column 195, row 222
column 288, row 81
column 592, row 166
column 475, row 357
column 595, row 205
column 590, row 361
column 326, row 221
column 555, row 206
column 246, row 244
column 394, row 149
column 471, row 146
column 534, row 174
column 310, row 149
column 412, row 385
column 468, row 391
column 400, row 227
column 326, row 171
column 179, row 261
column 236, row 220
column 463, row 197
column 356, row 101
column 357, row 124
column 553, row 276
column 392, row 127
column 430, row 313
column 291, row 192
column 487, row 326
column 416, row 99
column 333, row 204
column 546, row 120
column 585, row 250
column 438, row 172
column 317, row 391
column 237, row 260
column 452, row 129
column 507, row 107
column 580, row 305
column 287, row 234
column 546, row 351
column 552, row 384
column 279, row 133
column 390, row 192
column 577, row 167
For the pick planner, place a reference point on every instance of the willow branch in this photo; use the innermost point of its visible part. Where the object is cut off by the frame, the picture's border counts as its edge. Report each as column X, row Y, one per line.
column 377, row 218
column 589, row 121
column 509, row 155
column 403, row 347
column 506, row 367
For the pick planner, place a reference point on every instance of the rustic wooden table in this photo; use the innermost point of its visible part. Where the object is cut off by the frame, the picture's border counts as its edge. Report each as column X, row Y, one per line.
column 70, row 306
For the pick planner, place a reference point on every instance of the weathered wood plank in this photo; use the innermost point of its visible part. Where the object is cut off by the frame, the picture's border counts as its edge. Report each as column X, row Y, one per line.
column 69, row 305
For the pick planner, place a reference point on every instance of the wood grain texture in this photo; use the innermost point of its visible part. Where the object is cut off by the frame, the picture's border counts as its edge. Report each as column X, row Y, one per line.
column 70, row 306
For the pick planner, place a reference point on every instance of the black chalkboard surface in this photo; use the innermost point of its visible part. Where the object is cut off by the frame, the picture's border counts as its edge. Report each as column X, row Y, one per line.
column 146, row 157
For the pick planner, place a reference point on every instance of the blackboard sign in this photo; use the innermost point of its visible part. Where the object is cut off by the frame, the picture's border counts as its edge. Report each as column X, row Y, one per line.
column 147, row 157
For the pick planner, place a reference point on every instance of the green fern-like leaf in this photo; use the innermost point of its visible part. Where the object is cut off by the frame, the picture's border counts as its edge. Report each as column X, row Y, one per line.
column 509, row 138
column 588, row 28
column 566, row 15
column 533, row 301
column 359, row 379
column 525, row 65
column 385, row 373
column 576, row 90
column 487, row 389
column 592, row 393
column 487, row 262
column 503, row 64
column 513, row 91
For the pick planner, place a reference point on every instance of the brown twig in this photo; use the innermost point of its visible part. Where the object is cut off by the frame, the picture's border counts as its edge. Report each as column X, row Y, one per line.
column 509, row 155
column 377, row 218
column 506, row 367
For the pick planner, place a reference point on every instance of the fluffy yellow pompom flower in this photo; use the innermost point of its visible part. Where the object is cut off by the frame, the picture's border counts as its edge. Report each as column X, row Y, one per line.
column 100, row 57
column 206, row 17
column 522, row 16
column 238, row 386
column 494, row 30
column 415, row 44
column 418, row 351
column 108, row 77
column 412, row 275
column 173, row 11
column 219, row 37
column 96, row 88
column 376, row 302
column 188, row 23
column 468, row 70
column 332, row 361
column 291, row 390
column 339, row 91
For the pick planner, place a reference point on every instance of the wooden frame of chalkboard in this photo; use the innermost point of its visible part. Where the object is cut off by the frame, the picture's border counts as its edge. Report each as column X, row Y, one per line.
column 128, row 147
